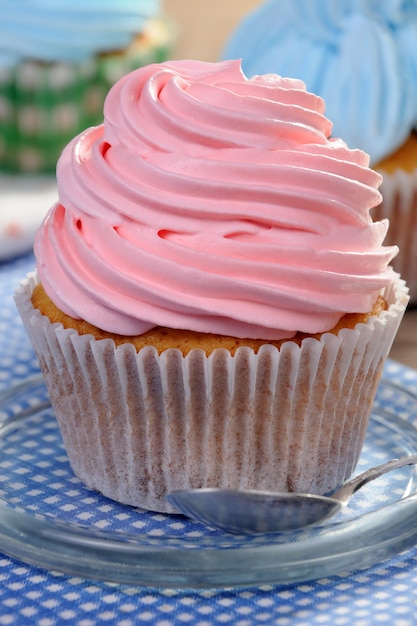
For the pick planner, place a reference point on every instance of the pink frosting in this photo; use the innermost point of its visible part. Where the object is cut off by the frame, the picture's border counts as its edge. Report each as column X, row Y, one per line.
column 211, row 202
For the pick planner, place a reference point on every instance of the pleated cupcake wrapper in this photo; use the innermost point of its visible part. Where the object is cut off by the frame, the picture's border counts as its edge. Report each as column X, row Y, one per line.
column 399, row 191
column 139, row 425
column 44, row 105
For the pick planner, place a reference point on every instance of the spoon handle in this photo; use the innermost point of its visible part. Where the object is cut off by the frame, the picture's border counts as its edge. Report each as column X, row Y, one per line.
column 346, row 492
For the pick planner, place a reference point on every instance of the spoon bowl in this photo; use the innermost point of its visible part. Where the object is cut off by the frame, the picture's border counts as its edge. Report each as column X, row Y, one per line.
column 246, row 511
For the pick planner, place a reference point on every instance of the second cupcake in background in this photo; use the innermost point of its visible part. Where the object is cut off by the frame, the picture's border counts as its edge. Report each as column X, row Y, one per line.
column 213, row 303
column 360, row 56
column 57, row 62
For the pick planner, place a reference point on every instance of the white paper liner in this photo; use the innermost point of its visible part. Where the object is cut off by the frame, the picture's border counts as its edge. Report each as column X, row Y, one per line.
column 137, row 425
column 399, row 191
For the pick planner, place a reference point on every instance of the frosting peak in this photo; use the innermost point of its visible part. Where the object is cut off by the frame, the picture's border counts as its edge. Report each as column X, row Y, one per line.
column 212, row 202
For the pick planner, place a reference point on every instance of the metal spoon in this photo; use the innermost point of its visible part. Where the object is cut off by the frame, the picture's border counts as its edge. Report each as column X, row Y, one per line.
column 245, row 511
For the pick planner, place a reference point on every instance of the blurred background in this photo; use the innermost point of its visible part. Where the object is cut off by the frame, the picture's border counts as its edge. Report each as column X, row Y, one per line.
column 203, row 27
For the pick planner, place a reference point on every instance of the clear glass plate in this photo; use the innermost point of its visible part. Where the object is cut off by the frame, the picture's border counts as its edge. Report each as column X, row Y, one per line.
column 49, row 519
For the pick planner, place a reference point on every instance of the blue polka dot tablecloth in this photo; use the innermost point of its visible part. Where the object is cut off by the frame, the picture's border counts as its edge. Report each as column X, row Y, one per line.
column 34, row 471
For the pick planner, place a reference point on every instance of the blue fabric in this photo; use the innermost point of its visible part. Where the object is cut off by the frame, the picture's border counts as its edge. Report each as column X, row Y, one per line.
column 384, row 593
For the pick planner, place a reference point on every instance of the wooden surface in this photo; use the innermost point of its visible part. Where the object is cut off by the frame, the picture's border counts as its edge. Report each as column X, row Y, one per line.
column 203, row 28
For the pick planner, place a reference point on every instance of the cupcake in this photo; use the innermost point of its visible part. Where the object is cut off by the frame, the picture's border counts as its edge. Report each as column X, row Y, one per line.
column 361, row 58
column 57, row 62
column 212, row 304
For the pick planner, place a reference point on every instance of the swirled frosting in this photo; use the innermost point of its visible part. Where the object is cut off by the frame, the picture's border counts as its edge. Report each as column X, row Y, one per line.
column 69, row 30
column 359, row 55
column 214, row 203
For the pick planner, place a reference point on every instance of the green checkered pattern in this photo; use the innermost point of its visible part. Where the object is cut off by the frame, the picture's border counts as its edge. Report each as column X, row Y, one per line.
column 43, row 106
